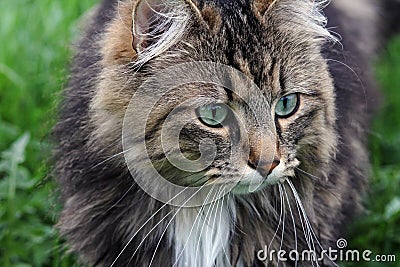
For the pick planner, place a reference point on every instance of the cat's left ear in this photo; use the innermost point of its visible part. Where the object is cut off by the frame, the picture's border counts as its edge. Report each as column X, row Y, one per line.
column 207, row 13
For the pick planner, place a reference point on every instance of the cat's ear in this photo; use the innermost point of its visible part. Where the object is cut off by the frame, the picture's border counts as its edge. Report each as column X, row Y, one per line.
column 145, row 15
column 208, row 13
column 157, row 25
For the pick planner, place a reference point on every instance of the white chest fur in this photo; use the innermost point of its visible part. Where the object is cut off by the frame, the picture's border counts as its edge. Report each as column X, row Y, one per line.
column 201, row 235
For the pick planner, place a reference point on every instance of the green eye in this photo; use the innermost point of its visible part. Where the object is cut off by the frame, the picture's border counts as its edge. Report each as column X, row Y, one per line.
column 213, row 115
column 287, row 106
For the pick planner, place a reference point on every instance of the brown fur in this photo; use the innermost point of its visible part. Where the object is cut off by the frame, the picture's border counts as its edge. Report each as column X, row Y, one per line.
column 283, row 49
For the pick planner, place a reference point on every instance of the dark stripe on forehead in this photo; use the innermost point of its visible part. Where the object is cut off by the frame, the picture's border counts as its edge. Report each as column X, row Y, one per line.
column 273, row 65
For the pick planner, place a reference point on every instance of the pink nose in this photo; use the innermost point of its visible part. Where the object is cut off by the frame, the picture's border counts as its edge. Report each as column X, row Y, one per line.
column 264, row 153
column 264, row 167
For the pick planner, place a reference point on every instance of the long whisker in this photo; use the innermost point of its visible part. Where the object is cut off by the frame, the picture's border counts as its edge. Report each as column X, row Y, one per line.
column 209, row 211
column 294, row 223
column 308, row 174
column 111, row 157
column 355, row 74
column 306, row 235
column 175, row 214
column 284, row 215
column 219, row 203
column 220, row 219
column 144, row 238
column 316, row 178
column 191, row 229
column 223, row 246
column 309, row 226
column 162, row 219
column 166, row 228
column 277, row 229
column 149, row 219
column 199, row 215
column 123, row 196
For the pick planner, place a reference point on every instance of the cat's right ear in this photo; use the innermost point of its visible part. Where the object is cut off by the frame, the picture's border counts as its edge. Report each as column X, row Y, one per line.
column 145, row 15
column 159, row 21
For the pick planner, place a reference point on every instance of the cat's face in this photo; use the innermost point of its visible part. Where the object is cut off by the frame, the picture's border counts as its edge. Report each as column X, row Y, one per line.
column 272, row 116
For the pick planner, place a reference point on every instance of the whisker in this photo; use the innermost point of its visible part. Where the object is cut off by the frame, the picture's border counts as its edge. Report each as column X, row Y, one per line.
column 317, row 179
column 116, row 203
column 294, row 223
column 355, row 74
column 151, row 230
column 277, row 229
column 111, row 157
column 220, row 219
column 223, row 246
column 308, row 223
column 300, row 216
column 284, row 215
column 166, row 228
column 154, row 227
column 309, row 174
column 191, row 230
column 213, row 209
column 149, row 219
column 209, row 211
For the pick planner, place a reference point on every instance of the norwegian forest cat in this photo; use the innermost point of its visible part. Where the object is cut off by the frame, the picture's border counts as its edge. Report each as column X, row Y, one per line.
column 208, row 133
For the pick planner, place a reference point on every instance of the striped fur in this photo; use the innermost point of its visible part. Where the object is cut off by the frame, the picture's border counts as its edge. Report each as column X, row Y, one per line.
column 312, row 48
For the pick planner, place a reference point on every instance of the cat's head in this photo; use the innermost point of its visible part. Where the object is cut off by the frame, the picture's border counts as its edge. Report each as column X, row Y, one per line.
column 218, row 92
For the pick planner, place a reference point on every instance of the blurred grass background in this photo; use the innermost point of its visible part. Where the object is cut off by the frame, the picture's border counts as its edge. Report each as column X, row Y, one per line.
column 34, row 51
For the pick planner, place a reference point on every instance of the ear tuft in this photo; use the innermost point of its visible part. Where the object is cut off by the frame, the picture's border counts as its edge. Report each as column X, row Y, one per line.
column 146, row 13
column 157, row 25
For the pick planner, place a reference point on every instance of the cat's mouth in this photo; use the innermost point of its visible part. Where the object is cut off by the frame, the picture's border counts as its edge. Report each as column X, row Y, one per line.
column 252, row 181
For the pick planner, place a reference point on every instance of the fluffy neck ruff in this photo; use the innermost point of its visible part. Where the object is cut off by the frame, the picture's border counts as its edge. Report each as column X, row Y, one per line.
column 201, row 235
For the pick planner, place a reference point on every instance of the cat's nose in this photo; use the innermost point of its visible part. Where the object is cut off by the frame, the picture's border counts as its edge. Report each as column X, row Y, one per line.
column 263, row 167
column 264, row 160
column 264, row 153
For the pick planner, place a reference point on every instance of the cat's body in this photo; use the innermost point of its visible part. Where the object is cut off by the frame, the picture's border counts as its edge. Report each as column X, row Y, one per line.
column 284, row 48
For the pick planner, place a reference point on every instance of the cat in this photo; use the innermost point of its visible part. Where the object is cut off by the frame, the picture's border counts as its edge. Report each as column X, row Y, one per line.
column 211, row 132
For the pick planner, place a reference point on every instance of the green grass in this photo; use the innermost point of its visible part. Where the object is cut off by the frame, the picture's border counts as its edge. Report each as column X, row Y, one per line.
column 379, row 229
column 35, row 47
column 34, row 52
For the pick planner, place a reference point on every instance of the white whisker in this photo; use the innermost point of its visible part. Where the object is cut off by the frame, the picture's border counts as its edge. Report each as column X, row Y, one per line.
column 309, row 174
column 111, row 157
column 277, row 229
column 162, row 219
column 310, row 230
column 209, row 211
column 355, row 74
column 123, row 196
column 191, row 229
column 294, row 223
column 223, row 246
column 149, row 219
column 214, row 208
column 306, row 235
column 284, row 215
